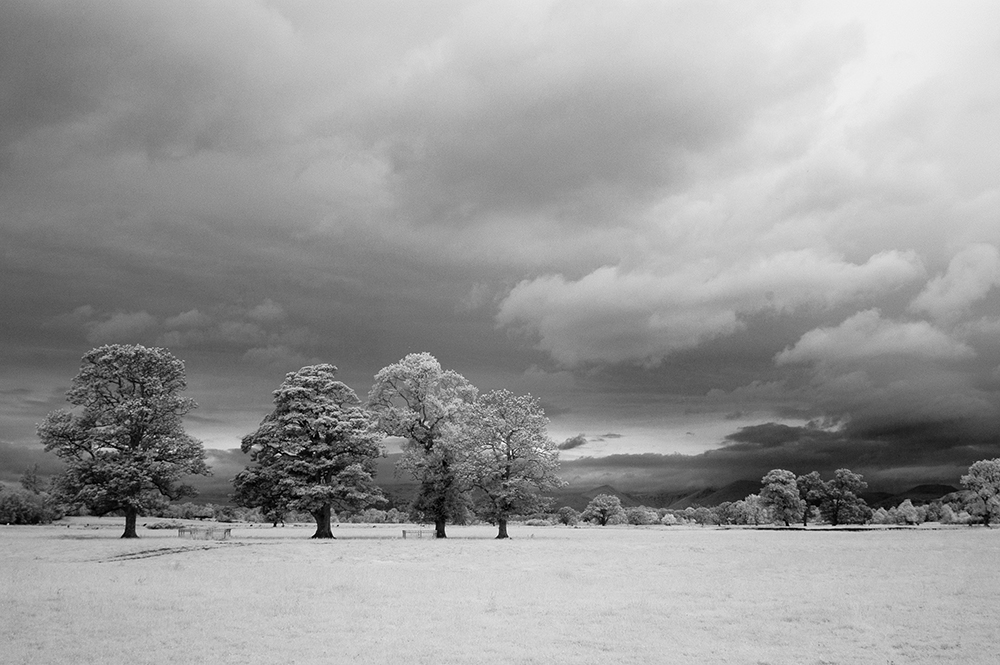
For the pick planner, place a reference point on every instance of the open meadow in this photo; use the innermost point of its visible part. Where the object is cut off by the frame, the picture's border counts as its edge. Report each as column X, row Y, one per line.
column 73, row 594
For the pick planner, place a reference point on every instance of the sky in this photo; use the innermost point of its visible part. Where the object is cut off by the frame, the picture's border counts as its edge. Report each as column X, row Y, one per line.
column 714, row 238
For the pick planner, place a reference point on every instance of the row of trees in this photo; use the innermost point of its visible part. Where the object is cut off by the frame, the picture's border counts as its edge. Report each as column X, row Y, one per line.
column 125, row 448
column 316, row 451
column 786, row 498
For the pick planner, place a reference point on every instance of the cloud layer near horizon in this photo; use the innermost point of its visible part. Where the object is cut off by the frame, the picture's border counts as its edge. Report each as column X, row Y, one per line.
column 662, row 218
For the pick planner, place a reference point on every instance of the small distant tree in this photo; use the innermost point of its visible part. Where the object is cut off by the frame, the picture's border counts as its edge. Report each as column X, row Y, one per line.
column 983, row 483
column 19, row 506
column 267, row 489
column 726, row 513
column 317, row 448
column 602, row 508
column 812, row 491
column 568, row 516
column 31, row 482
column 841, row 503
column 751, row 510
column 126, row 449
column 419, row 401
column 780, row 493
column 908, row 513
column 641, row 515
column 506, row 456
column 703, row 516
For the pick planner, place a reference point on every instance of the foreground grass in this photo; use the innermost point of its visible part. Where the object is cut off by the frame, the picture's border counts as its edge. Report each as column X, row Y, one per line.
column 550, row 595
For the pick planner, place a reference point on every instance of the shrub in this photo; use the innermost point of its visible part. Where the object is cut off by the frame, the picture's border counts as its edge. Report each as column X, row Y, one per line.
column 641, row 515
column 568, row 516
column 22, row 507
column 536, row 522
column 165, row 525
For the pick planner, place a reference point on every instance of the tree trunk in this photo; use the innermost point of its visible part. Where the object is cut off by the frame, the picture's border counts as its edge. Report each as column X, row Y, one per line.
column 322, row 517
column 130, row 515
column 439, row 523
column 502, row 529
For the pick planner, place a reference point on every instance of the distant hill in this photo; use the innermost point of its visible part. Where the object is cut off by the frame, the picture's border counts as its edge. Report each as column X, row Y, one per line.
column 918, row 495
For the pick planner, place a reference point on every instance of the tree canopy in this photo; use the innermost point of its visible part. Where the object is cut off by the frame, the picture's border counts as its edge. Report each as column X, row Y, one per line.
column 315, row 451
column 419, row 401
column 506, row 455
column 602, row 508
column 841, row 503
column 780, row 493
column 983, row 481
column 126, row 448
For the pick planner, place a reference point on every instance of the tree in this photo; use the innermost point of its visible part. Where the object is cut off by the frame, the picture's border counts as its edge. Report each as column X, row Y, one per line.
column 126, row 449
column 568, row 516
column 812, row 489
column 752, row 510
column 602, row 508
column 31, row 482
column 841, row 503
column 983, row 481
column 908, row 513
column 506, row 456
column 267, row 489
column 315, row 451
column 780, row 493
column 419, row 401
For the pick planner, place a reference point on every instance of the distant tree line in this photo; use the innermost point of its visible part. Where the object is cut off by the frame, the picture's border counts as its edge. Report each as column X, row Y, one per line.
column 785, row 499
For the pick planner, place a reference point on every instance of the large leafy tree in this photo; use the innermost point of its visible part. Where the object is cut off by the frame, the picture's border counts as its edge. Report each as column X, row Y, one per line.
column 780, row 492
column 983, row 481
column 812, row 491
column 315, row 451
column 841, row 501
column 602, row 508
column 419, row 401
column 125, row 448
column 506, row 455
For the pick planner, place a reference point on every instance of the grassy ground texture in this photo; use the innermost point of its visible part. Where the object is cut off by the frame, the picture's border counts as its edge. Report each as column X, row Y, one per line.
column 549, row 595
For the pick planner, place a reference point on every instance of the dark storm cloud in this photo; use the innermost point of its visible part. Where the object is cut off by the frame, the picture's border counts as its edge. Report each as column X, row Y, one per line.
column 890, row 460
column 573, row 442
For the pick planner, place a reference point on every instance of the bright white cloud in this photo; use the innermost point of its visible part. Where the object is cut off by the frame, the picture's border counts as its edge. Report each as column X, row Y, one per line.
column 615, row 316
column 971, row 274
column 867, row 336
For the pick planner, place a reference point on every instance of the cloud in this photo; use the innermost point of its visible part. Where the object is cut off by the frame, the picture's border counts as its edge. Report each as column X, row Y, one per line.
column 971, row 274
column 267, row 311
column 120, row 328
column 190, row 319
column 573, row 442
column 278, row 356
column 16, row 459
column 169, row 80
column 867, row 336
column 891, row 460
column 580, row 110
column 615, row 316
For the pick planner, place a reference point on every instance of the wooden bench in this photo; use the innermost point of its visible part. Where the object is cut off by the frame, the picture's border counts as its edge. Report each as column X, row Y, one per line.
column 417, row 533
column 204, row 532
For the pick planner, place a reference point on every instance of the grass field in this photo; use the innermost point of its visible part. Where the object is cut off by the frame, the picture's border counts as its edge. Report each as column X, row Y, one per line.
column 548, row 595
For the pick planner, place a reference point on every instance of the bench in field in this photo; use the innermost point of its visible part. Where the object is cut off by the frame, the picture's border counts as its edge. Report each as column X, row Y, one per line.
column 204, row 532
column 417, row 533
